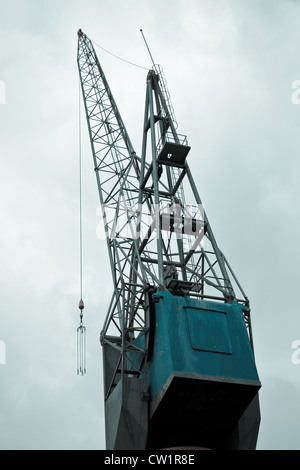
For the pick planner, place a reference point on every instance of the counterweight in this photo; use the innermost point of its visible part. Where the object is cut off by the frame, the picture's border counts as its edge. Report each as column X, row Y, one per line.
column 177, row 340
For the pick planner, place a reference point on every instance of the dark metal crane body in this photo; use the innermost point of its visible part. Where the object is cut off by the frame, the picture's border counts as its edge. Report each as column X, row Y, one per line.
column 177, row 343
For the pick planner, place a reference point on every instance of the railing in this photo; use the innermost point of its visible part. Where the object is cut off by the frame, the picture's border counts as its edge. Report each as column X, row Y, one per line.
column 169, row 137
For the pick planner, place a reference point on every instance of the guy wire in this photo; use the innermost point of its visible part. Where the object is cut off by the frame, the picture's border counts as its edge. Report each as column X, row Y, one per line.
column 120, row 58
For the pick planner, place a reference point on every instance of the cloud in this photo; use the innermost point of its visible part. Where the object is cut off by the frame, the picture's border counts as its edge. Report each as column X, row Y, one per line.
column 229, row 67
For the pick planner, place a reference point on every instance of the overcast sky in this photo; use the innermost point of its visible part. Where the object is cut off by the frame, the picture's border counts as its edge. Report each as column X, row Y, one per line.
column 230, row 66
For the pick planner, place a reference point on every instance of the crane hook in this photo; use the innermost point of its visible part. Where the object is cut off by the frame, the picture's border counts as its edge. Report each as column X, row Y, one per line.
column 81, row 343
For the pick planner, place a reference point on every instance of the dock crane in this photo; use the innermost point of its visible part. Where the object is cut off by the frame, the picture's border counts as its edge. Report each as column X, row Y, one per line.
column 178, row 361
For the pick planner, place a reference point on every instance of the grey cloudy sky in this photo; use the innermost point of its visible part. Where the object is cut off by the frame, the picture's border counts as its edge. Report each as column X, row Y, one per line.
column 230, row 66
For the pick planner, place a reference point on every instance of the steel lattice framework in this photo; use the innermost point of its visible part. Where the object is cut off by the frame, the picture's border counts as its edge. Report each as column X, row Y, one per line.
column 156, row 240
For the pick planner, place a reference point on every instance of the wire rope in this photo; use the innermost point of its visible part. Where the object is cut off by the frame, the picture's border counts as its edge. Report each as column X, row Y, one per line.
column 81, row 330
column 118, row 57
column 80, row 192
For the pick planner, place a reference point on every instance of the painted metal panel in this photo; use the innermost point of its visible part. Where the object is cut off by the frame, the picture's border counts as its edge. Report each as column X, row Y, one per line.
column 199, row 337
column 208, row 330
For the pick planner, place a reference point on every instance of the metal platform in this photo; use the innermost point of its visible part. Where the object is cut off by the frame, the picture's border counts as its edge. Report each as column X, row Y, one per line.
column 173, row 154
